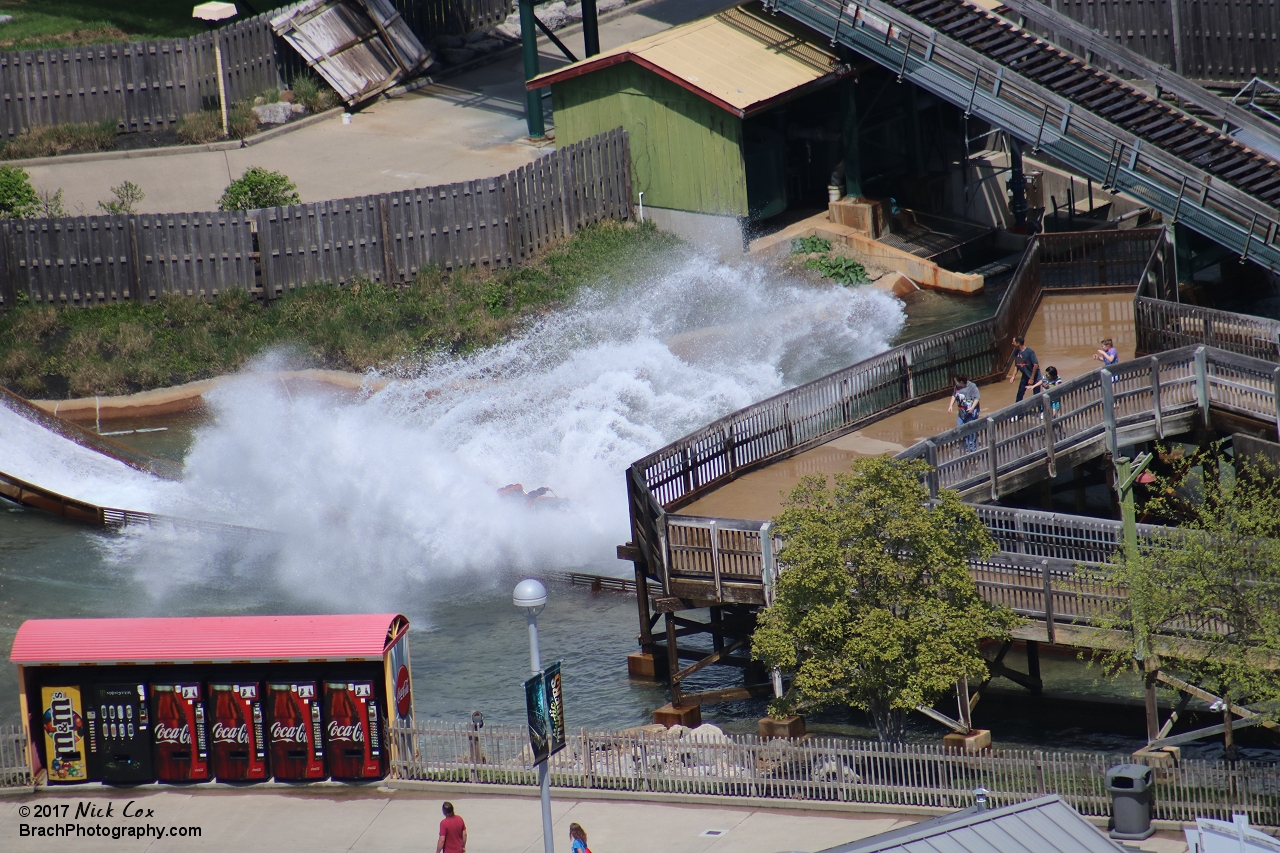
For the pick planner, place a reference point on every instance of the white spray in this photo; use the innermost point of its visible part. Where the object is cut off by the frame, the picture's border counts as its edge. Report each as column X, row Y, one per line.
column 400, row 486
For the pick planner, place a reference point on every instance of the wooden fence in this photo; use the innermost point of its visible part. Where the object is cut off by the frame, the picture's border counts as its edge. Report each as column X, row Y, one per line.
column 829, row 770
column 150, row 85
column 489, row 223
column 1226, row 41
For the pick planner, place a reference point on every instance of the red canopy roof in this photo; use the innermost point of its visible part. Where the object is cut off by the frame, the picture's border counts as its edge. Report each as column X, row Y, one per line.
column 207, row 639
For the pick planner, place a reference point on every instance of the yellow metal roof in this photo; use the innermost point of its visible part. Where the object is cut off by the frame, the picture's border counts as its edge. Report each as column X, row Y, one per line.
column 736, row 59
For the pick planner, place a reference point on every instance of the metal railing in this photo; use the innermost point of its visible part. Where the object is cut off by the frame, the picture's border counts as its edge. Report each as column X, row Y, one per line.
column 15, row 765
column 1094, row 147
column 826, row 770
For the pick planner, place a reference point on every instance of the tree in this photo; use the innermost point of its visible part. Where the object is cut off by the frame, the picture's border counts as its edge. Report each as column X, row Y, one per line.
column 1203, row 598
column 18, row 200
column 875, row 607
column 258, row 188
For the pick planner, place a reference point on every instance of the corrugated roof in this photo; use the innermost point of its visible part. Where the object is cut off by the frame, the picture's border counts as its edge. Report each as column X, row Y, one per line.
column 212, row 639
column 736, row 59
column 1046, row 825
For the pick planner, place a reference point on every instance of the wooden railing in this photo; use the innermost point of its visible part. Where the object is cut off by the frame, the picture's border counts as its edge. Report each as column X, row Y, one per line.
column 848, row 399
column 851, row 398
column 1139, row 400
column 15, row 764
column 828, row 770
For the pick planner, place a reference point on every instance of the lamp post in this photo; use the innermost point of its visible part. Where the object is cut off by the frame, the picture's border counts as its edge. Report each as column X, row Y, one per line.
column 532, row 597
column 211, row 13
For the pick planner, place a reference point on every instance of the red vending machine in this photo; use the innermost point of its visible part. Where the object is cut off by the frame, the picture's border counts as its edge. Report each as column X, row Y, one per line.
column 294, row 735
column 238, row 751
column 181, row 738
column 352, row 736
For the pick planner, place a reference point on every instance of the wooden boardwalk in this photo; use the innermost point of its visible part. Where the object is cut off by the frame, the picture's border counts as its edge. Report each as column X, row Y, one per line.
column 1064, row 332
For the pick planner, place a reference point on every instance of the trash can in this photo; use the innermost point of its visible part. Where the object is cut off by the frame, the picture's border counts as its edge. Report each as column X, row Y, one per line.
column 1131, row 792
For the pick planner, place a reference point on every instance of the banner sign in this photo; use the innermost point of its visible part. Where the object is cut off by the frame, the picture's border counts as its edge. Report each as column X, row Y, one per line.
column 544, row 703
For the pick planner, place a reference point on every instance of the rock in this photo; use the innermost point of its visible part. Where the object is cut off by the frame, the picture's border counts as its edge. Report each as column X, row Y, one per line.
column 457, row 55
column 487, row 45
column 298, row 109
column 708, row 732
column 552, row 15
column 449, row 41
column 4, row 19
column 259, row 101
column 573, row 13
column 510, row 28
column 603, row 6
column 273, row 113
column 287, row 96
column 475, row 36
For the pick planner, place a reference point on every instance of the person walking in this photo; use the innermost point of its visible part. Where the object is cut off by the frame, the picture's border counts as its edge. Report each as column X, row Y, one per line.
column 453, row 832
column 967, row 402
column 1026, row 366
column 578, row 839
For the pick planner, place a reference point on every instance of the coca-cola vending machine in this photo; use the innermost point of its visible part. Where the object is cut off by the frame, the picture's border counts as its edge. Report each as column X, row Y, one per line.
column 118, row 724
column 181, row 737
column 352, row 731
column 238, row 735
column 294, row 733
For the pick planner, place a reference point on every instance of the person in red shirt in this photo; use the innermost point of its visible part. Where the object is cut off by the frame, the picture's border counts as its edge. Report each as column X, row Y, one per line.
column 453, row 832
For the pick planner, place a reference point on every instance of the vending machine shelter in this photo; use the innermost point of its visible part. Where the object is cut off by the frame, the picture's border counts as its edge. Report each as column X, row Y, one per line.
column 190, row 699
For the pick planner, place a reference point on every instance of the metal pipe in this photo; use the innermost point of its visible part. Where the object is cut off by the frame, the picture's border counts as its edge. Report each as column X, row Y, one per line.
column 544, row 772
column 590, row 28
column 529, row 47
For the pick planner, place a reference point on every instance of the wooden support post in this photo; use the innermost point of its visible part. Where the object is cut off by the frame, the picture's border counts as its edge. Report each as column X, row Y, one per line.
column 1109, row 411
column 673, row 660
column 717, row 621
column 1033, row 659
column 642, row 602
column 1048, row 602
column 1149, row 693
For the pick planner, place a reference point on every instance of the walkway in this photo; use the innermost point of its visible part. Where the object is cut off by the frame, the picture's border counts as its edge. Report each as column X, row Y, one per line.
column 340, row 818
column 1064, row 332
column 466, row 127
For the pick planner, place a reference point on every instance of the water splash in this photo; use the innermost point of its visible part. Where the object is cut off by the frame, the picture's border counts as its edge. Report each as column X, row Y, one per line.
column 398, row 488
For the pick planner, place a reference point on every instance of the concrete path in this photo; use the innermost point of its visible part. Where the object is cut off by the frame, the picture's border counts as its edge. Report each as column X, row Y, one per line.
column 317, row 820
column 464, row 128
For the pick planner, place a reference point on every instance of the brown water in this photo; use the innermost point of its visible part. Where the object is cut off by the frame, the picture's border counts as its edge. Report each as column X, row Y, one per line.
column 1065, row 332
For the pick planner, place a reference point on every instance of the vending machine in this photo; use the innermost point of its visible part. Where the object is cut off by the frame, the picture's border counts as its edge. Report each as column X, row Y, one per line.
column 238, row 749
column 119, row 733
column 181, row 737
column 294, row 735
column 63, row 722
column 353, row 740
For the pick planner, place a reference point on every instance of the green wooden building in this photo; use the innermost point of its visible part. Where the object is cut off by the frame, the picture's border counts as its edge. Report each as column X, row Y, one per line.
column 720, row 112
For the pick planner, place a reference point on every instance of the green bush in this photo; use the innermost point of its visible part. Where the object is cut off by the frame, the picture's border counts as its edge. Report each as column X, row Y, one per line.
column 810, row 245
column 127, row 196
column 51, row 140
column 839, row 267
column 241, row 121
column 257, row 188
column 199, row 128
column 18, row 200
column 313, row 94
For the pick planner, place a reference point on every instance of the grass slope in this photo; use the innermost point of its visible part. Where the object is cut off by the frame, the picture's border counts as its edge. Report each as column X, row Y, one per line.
column 41, row 24
column 115, row 349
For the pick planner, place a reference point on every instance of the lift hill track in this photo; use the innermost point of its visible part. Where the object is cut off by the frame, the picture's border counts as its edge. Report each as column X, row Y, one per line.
column 1101, row 126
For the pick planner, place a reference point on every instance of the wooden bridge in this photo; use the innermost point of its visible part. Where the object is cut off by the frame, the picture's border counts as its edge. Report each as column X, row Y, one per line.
column 690, row 553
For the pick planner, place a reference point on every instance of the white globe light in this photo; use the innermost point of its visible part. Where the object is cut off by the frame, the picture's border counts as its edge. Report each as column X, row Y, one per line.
column 529, row 593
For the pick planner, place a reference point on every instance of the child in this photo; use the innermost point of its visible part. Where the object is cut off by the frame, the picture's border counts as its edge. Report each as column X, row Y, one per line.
column 1107, row 355
column 966, row 400
column 578, row 839
column 1047, row 381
